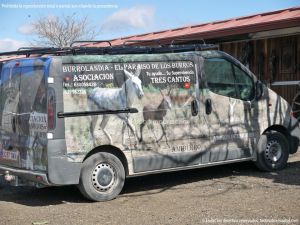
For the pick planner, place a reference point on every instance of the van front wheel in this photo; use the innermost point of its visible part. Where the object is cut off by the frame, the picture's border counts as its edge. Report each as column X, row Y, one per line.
column 102, row 177
column 272, row 151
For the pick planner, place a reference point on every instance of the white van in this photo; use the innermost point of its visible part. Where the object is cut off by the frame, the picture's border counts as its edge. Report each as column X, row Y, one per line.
column 93, row 119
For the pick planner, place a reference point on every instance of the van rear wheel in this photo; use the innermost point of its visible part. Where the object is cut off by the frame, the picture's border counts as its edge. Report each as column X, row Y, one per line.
column 272, row 151
column 102, row 177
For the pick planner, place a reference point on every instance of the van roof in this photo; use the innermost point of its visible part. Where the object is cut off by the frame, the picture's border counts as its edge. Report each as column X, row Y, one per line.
column 109, row 50
column 69, row 59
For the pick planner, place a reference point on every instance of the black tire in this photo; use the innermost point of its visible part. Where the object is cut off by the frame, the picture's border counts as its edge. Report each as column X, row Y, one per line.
column 102, row 177
column 272, row 151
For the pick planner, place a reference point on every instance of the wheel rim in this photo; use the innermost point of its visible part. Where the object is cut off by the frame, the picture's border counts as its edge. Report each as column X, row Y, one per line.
column 273, row 151
column 296, row 106
column 103, row 177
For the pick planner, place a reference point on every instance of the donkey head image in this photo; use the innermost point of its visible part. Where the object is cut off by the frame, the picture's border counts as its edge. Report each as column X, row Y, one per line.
column 133, row 86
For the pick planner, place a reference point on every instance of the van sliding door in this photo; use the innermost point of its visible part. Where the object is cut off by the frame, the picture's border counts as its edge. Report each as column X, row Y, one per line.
column 169, row 118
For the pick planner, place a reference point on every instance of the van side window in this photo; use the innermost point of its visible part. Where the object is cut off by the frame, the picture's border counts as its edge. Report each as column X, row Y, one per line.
column 244, row 84
column 225, row 78
column 220, row 77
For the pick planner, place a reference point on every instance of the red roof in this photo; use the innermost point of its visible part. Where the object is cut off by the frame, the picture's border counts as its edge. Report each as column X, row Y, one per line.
column 242, row 25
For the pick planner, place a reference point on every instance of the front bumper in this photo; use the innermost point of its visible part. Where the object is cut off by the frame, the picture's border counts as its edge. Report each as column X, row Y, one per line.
column 34, row 176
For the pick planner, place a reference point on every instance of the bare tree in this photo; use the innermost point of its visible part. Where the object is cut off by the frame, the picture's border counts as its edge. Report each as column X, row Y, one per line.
column 62, row 31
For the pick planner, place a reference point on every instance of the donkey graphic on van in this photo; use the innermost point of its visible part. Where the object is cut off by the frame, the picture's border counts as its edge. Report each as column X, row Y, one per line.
column 79, row 110
column 120, row 98
column 156, row 114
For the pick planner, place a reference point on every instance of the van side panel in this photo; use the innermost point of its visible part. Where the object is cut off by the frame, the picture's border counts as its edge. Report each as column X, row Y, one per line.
column 163, row 134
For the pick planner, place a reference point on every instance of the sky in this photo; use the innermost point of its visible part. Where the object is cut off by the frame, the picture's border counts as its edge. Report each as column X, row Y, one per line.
column 120, row 18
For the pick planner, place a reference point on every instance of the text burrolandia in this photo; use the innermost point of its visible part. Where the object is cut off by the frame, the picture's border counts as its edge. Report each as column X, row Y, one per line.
column 85, row 68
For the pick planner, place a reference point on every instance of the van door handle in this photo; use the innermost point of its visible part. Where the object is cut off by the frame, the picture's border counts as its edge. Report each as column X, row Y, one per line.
column 194, row 108
column 208, row 106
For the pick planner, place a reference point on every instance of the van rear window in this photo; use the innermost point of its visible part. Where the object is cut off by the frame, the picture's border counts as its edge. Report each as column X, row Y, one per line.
column 24, row 93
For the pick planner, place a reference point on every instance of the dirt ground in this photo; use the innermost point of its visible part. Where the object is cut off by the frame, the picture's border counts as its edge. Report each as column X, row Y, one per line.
column 231, row 194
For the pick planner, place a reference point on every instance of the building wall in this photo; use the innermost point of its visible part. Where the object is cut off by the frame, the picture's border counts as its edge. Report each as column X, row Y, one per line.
column 271, row 60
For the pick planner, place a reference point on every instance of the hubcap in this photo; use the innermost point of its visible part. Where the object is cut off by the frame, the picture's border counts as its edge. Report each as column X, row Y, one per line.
column 273, row 151
column 103, row 177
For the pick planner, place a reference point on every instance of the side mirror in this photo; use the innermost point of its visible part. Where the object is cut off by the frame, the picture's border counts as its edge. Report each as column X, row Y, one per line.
column 259, row 90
